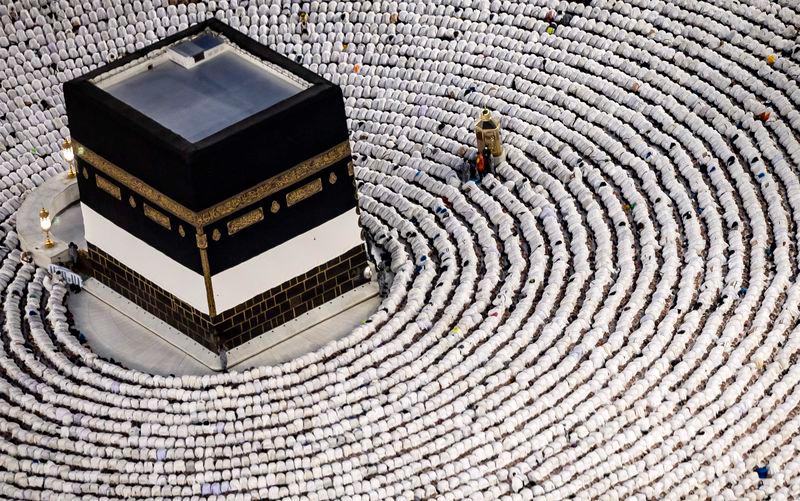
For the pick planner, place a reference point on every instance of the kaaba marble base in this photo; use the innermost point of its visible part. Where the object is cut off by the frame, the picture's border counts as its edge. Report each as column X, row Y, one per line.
column 117, row 328
column 250, row 318
column 293, row 331
column 107, row 298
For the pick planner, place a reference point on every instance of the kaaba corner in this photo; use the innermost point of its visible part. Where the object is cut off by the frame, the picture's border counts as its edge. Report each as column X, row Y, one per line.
column 216, row 184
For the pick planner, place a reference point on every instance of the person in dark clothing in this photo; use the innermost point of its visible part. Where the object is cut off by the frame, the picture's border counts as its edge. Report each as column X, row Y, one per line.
column 473, row 171
column 223, row 357
column 488, row 161
column 463, row 171
column 73, row 254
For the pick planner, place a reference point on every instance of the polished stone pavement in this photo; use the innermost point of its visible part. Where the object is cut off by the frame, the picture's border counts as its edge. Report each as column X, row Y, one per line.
column 68, row 225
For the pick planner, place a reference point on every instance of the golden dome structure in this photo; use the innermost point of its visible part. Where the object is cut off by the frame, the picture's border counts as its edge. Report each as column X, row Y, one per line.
column 487, row 132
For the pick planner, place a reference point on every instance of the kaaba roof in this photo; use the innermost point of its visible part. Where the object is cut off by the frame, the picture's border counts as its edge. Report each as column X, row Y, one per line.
column 180, row 113
column 214, row 92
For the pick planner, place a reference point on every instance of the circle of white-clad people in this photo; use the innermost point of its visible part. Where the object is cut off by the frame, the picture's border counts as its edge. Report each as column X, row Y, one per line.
column 613, row 314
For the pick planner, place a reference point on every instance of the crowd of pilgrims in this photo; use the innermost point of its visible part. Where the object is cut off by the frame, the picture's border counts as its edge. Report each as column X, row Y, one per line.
column 474, row 168
column 610, row 311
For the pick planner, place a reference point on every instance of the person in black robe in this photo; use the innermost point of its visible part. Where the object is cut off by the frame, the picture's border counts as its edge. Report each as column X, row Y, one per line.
column 488, row 161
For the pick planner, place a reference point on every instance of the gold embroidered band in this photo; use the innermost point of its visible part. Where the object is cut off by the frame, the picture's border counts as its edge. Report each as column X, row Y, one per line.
column 303, row 192
column 109, row 187
column 227, row 207
column 242, row 222
column 158, row 217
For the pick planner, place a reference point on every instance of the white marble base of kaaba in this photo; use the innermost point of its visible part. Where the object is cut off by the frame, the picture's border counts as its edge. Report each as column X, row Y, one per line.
column 139, row 340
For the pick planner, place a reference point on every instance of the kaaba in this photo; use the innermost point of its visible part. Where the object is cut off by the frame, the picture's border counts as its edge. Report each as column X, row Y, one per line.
column 216, row 184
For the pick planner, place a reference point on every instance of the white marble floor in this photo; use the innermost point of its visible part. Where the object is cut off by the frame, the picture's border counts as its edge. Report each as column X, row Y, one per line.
column 114, row 335
column 68, row 225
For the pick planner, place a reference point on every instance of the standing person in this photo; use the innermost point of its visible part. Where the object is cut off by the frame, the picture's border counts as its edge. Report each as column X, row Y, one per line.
column 463, row 172
column 73, row 254
column 223, row 357
column 480, row 165
column 473, row 171
column 488, row 162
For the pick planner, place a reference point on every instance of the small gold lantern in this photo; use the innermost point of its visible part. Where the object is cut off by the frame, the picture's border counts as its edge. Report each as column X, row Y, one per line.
column 69, row 157
column 45, row 224
column 487, row 132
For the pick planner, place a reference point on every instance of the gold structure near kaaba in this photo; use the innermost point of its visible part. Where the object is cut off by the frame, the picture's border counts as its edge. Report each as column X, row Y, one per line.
column 487, row 132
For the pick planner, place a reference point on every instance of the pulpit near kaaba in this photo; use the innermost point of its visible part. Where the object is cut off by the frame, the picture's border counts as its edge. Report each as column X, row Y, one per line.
column 216, row 184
